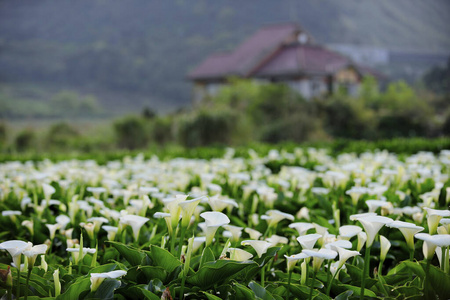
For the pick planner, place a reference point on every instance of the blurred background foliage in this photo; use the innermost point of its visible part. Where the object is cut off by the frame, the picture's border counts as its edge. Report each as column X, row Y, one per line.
column 243, row 113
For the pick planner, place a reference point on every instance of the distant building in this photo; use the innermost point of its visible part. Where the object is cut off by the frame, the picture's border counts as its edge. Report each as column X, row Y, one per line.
column 280, row 53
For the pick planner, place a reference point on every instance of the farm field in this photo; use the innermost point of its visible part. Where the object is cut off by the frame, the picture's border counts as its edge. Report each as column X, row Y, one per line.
column 292, row 223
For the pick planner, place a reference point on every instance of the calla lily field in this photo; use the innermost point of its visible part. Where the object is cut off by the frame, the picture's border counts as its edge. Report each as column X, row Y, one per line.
column 286, row 225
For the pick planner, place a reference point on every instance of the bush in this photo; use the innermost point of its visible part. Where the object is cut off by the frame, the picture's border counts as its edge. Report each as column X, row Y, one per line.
column 25, row 140
column 348, row 118
column 162, row 130
column 3, row 136
column 61, row 136
column 131, row 133
column 207, row 128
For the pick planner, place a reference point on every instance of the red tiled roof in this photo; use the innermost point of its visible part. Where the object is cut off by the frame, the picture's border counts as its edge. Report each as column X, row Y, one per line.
column 302, row 59
column 247, row 55
column 272, row 51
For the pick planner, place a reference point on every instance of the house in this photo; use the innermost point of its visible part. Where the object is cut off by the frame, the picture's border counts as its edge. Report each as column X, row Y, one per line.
column 280, row 53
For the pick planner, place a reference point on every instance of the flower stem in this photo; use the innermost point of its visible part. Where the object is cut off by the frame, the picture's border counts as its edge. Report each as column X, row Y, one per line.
column 27, row 284
column 182, row 234
column 18, row 282
column 332, row 279
column 365, row 271
column 263, row 275
column 289, row 285
column 172, row 243
column 425, row 282
column 10, row 293
column 183, row 280
column 328, row 273
column 312, row 285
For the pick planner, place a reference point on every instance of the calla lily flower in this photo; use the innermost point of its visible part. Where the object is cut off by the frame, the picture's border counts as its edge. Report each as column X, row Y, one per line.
column 433, row 218
column 301, row 227
column 32, row 252
column 44, row 265
column 57, row 283
column 76, row 251
column 344, row 255
column 48, row 191
column 363, row 215
column 111, row 230
column 29, row 225
column 276, row 239
column 308, row 241
column 373, row 224
column 339, row 243
column 168, row 219
column 385, row 245
column 239, row 254
column 15, row 249
column 291, row 260
column 62, row 220
column 408, row 230
column 235, row 231
column 429, row 246
column 187, row 210
column 219, row 203
column 52, row 229
column 259, row 246
column 346, row 232
column 273, row 217
column 98, row 221
column 213, row 220
column 198, row 241
column 97, row 278
column 362, row 238
column 136, row 222
column 253, row 233
column 174, row 209
column 319, row 256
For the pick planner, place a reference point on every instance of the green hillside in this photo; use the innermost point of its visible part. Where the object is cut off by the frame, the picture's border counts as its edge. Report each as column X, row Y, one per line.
column 136, row 53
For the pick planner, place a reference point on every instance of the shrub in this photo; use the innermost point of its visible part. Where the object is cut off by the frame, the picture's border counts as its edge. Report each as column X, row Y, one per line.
column 207, row 128
column 131, row 133
column 162, row 130
column 61, row 136
column 25, row 140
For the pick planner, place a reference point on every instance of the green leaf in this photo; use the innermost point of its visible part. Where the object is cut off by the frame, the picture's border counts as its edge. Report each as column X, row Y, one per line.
column 357, row 290
column 344, row 296
column 302, row 292
column 260, row 292
column 207, row 256
column 103, row 268
column 107, row 288
column 414, row 267
column 243, row 292
column 217, row 272
column 132, row 255
column 211, row 297
column 440, row 281
column 149, row 295
column 73, row 292
column 163, row 258
column 153, row 272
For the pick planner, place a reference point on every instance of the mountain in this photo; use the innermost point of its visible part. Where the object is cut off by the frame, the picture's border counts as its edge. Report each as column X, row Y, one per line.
column 137, row 53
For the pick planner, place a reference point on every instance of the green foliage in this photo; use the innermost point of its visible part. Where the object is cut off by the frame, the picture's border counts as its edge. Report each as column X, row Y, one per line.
column 131, row 133
column 207, row 128
column 61, row 136
column 437, row 79
column 69, row 103
column 25, row 140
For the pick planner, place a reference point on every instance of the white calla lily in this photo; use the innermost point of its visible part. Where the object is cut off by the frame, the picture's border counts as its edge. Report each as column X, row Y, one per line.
column 213, row 220
column 259, row 246
column 98, row 278
column 373, row 224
